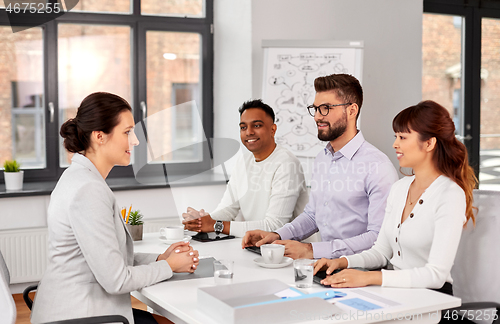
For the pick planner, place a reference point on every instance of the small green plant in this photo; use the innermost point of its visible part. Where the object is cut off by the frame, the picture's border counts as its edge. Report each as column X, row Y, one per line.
column 11, row 166
column 135, row 218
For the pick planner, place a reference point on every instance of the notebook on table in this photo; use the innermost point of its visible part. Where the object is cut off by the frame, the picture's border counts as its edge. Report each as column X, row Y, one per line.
column 205, row 269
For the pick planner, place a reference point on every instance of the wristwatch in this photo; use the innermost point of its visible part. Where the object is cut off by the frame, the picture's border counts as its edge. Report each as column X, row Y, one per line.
column 218, row 227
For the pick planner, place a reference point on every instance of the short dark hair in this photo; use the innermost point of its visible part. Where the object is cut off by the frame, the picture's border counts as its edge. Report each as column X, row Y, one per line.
column 257, row 103
column 99, row 111
column 345, row 86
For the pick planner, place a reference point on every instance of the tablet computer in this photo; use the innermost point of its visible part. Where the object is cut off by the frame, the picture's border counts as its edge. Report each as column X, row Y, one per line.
column 254, row 249
column 320, row 275
column 211, row 237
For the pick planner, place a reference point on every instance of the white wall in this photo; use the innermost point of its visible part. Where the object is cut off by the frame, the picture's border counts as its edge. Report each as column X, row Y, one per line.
column 232, row 67
column 232, row 64
column 392, row 35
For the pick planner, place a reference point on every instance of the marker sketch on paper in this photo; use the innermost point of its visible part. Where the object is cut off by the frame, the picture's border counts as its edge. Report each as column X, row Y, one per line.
column 288, row 87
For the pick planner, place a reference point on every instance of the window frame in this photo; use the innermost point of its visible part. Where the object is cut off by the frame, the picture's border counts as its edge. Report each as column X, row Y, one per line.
column 472, row 11
column 206, row 95
column 138, row 24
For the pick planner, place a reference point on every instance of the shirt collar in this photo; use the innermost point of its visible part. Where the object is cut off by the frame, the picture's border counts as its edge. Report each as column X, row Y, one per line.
column 267, row 158
column 350, row 148
column 85, row 162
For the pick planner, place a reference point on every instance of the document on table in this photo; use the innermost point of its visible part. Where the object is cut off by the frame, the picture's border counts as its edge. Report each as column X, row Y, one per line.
column 365, row 301
column 289, row 293
column 359, row 304
column 205, row 269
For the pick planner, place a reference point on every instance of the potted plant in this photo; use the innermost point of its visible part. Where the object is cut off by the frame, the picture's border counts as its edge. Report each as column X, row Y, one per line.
column 134, row 225
column 13, row 175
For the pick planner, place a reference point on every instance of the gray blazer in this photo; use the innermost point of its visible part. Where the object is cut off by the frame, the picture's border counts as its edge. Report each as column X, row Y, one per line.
column 92, row 266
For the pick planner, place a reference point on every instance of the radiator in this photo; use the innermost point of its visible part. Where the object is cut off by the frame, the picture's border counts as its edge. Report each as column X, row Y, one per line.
column 25, row 252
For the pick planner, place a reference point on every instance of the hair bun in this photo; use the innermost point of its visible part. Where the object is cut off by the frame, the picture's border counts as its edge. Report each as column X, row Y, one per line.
column 69, row 131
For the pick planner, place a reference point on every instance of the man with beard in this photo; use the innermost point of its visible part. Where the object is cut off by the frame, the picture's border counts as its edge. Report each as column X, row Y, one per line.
column 350, row 182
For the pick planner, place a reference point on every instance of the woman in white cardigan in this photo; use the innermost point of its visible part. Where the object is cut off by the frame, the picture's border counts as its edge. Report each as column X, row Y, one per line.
column 92, row 267
column 425, row 212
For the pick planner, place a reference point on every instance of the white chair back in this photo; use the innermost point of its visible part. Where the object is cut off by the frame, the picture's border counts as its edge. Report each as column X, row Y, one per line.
column 476, row 272
column 7, row 305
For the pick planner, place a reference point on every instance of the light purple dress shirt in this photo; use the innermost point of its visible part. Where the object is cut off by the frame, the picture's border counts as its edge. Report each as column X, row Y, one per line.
column 349, row 189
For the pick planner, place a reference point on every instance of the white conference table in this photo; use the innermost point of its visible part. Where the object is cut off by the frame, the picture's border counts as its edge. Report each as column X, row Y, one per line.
column 177, row 300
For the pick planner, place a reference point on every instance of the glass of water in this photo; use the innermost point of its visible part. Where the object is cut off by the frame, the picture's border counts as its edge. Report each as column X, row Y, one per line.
column 303, row 270
column 223, row 272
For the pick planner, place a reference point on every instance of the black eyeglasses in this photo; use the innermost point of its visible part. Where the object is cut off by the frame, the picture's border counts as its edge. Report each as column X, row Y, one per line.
column 324, row 109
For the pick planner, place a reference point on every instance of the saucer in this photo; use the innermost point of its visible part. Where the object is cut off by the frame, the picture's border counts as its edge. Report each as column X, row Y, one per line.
column 285, row 262
column 186, row 238
column 190, row 233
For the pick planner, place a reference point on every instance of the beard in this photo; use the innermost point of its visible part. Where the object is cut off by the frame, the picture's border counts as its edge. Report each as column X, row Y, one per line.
column 334, row 131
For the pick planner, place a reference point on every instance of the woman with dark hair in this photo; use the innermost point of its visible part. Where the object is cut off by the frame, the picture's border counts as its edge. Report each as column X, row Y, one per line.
column 92, row 267
column 425, row 212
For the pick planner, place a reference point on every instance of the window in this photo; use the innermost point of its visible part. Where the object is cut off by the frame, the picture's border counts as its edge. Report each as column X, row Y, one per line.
column 91, row 58
column 184, row 121
column 461, row 60
column 489, row 145
column 114, row 6
column 442, row 61
column 22, row 97
column 189, row 8
column 172, row 69
column 157, row 55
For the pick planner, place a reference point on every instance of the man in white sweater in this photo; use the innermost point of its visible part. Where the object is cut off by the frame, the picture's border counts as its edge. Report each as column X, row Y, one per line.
column 266, row 187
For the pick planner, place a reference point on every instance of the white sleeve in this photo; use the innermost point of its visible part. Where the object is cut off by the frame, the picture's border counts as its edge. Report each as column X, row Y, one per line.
column 287, row 184
column 144, row 258
column 229, row 206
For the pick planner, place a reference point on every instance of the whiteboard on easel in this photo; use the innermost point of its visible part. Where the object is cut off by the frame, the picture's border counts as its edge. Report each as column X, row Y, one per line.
column 290, row 68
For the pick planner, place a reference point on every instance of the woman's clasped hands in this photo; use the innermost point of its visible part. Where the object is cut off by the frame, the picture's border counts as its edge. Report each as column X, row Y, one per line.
column 181, row 257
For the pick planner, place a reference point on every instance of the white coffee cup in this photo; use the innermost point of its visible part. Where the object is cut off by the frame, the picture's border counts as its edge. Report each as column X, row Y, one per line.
column 272, row 253
column 172, row 232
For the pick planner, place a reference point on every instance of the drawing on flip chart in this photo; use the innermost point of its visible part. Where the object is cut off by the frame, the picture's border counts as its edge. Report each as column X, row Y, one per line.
column 288, row 87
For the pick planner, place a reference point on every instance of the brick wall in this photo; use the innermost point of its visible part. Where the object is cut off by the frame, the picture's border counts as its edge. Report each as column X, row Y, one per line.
column 441, row 50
